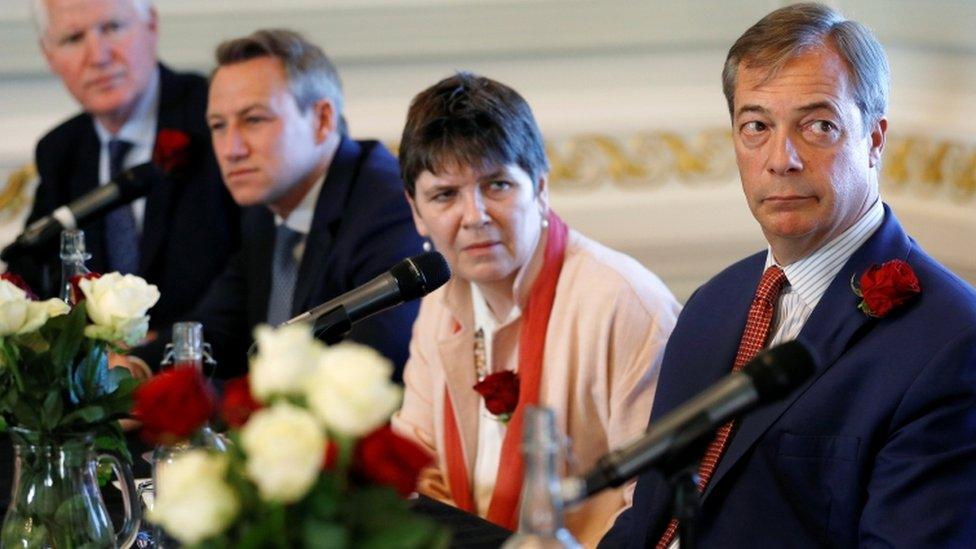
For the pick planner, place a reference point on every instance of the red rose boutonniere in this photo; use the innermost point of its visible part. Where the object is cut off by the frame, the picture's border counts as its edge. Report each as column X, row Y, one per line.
column 501, row 393
column 172, row 151
column 885, row 287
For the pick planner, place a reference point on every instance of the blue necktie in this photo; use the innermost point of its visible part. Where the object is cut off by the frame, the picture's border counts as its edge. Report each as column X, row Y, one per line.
column 121, row 235
column 284, row 274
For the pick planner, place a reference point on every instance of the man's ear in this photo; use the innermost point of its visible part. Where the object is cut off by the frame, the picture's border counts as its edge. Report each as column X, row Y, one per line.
column 418, row 221
column 878, row 132
column 326, row 119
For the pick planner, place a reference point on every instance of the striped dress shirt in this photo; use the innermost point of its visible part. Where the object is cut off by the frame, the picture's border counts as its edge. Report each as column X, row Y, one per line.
column 809, row 277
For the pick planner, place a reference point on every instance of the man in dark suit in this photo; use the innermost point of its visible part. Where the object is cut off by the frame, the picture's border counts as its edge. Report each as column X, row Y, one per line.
column 180, row 236
column 879, row 447
column 323, row 213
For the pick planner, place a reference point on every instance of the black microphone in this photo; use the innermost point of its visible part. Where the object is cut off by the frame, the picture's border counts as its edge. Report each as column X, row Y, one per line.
column 772, row 375
column 125, row 187
column 407, row 280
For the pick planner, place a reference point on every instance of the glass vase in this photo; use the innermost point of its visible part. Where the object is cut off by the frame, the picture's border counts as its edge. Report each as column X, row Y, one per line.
column 55, row 501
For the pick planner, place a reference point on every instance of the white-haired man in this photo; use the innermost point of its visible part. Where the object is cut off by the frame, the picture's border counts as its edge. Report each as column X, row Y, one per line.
column 178, row 237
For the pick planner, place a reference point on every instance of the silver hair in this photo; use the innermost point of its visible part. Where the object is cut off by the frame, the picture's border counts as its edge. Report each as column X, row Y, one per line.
column 38, row 9
column 790, row 31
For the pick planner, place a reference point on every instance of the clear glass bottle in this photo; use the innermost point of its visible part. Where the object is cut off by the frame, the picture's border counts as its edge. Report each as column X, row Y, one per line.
column 541, row 504
column 187, row 350
column 73, row 256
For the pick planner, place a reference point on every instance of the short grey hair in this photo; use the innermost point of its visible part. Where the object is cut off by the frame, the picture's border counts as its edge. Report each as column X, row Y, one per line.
column 792, row 30
column 311, row 74
column 39, row 15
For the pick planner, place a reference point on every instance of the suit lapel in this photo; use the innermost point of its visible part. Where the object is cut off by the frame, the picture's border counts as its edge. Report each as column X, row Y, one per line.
column 828, row 332
column 457, row 356
column 328, row 214
column 156, row 224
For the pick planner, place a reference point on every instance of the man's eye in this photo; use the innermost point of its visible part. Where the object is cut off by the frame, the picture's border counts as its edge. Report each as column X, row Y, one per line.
column 254, row 119
column 823, row 127
column 72, row 38
column 215, row 126
column 112, row 27
column 753, row 127
column 500, row 185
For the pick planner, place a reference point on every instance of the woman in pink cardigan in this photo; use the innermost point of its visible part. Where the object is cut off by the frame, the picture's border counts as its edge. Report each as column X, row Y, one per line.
column 581, row 326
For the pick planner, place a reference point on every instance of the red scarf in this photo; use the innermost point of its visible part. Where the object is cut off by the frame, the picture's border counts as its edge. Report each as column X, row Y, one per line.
column 503, row 510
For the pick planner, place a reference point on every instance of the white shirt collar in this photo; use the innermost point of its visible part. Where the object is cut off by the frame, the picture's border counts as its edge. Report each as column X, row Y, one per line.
column 809, row 277
column 300, row 219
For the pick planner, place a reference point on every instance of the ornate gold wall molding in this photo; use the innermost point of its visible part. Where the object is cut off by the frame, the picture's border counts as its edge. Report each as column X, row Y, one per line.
column 930, row 166
column 646, row 160
column 13, row 196
column 643, row 160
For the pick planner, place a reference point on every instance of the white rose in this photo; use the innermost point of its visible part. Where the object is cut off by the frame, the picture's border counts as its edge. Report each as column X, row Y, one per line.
column 350, row 391
column 286, row 358
column 117, row 306
column 20, row 315
column 285, row 449
column 193, row 502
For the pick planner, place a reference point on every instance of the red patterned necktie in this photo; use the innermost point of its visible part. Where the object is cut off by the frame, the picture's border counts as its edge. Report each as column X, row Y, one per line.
column 753, row 340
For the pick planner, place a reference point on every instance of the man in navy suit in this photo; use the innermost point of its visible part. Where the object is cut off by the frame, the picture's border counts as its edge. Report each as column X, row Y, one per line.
column 323, row 213
column 180, row 236
column 879, row 447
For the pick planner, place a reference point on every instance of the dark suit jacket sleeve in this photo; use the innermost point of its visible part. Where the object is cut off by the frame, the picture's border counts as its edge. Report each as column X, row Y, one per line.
column 387, row 236
column 922, row 490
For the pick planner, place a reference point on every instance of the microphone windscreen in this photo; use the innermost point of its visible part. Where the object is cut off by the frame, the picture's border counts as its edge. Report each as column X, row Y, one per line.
column 419, row 275
column 775, row 372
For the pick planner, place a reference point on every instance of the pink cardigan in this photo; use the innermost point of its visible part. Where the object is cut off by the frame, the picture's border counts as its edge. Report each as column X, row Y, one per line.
column 609, row 324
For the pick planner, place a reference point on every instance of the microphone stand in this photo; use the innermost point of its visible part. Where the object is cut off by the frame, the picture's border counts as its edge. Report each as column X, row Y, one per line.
column 332, row 326
column 686, row 506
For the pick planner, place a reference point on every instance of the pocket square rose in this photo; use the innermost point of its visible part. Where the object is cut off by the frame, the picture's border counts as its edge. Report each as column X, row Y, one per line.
column 885, row 287
column 117, row 306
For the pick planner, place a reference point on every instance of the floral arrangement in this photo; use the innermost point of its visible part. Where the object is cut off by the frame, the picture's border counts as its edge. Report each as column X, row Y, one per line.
column 312, row 462
column 54, row 373
column 883, row 288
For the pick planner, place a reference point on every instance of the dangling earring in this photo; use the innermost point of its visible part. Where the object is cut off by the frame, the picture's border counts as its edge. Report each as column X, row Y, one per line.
column 427, row 246
column 545, row 219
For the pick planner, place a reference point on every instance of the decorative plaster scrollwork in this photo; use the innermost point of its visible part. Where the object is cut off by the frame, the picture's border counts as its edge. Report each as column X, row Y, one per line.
column 639, row 161
column 930, row 166
column 13, row 198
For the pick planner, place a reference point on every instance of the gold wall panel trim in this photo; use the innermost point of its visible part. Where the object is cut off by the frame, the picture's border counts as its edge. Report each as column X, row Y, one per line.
column 642, row 160
column 13, row 196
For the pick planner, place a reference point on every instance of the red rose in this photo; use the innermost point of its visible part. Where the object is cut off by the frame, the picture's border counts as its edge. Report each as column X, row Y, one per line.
column 172, row 151
column 885, row 287
column 76, row 294
column 384, row 457
column 501, row 393
column 238, row 403
column 331, row 456
column 173, row 405
column 16, row 280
